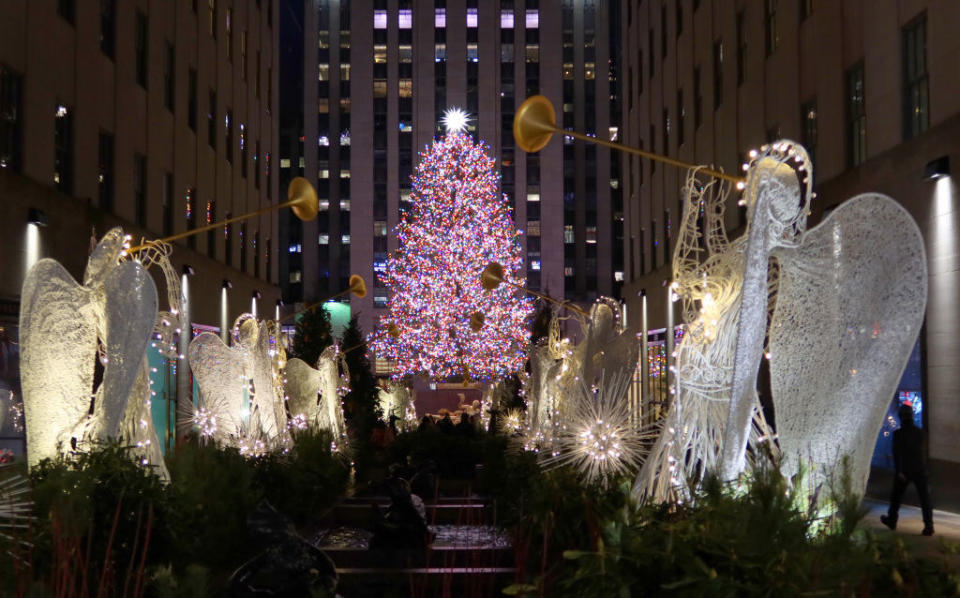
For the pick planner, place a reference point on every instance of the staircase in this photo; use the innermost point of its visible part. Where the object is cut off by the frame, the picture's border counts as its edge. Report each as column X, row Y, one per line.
column 469, row 556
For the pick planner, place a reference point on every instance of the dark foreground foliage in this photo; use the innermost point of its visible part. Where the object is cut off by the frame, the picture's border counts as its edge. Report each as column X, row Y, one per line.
column 581, row 541
column 107, row 527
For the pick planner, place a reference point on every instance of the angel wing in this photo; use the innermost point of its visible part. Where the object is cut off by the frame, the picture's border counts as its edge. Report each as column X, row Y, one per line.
column 218, row 371
column 303, row 388
column 332, row 416
column 58, row 335
column 265, row 399
column 850, row 305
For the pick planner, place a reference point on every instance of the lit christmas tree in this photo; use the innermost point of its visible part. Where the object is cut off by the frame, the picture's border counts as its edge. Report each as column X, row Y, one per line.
column 441, row 322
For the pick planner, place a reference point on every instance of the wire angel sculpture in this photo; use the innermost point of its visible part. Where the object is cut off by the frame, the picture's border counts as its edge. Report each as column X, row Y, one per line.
column 241, row 401
column 64, row 328
column 844, row 302
column 396, row 400
column 316, row 393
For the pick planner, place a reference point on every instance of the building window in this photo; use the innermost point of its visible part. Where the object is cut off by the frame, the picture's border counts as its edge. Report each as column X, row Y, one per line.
column 806, row 9
column 67, row 10
column 741, row 47
column 212, row 17
column 717, row 74
column 915, row 79
column 169, row 76
column 772, row 35
column 679, row 17
column 856, row 116
column 63, row 149
column 666, row 131
column 11, row 107
column 243, row 246
column 663, row 31
column 243, row 55
column 105, row 173
column 141, row 49
column 808, row 127
column 228, row 27
column 243, row 150
column 140, row 189
column 681, row 116
column 650, row 55
column 192, row 99
column 167, row 194
column 107, row 25
column 257, row 71
column 190, row 212
column 212, row 120
column 228, row 126
column 212, row 233
column 569, row 235
column 269, row 89
column 256, row 253
column 697, row 99
column 256, row 165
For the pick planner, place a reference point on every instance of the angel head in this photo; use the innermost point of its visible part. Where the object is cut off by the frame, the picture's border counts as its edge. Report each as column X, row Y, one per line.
column 780, row 182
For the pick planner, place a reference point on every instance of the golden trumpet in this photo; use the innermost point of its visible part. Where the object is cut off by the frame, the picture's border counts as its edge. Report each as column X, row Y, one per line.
column 535, row 123
column 492, row 277
column 301, row 198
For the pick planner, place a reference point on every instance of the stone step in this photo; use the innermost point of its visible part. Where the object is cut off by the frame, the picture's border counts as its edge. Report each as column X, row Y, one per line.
column 360, row 514
column 445, row 556
column 358, row 582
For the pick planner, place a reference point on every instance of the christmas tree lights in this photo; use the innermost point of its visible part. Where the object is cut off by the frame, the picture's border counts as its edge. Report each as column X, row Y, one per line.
column 441, row 322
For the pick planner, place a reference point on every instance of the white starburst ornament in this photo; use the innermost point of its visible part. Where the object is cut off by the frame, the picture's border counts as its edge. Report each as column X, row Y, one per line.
column 455, row 120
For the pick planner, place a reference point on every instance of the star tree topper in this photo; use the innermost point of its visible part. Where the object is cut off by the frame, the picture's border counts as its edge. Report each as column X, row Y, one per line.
column 441, row 322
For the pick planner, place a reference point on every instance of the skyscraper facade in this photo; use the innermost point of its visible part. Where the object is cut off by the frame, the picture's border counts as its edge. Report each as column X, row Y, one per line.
column 380, row 75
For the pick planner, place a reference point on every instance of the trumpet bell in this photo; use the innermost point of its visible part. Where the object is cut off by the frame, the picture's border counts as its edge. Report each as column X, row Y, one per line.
column 303, row 199
column 534, row 123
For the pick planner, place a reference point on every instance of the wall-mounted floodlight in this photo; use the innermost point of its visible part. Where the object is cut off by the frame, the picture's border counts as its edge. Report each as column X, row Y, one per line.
column 37, row 216
column 227, row 284
column 937, row 169
column 188, row 270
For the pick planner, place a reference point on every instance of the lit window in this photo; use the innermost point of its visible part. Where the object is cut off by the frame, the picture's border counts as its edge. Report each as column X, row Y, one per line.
column 589, row 70
column 296, row 276
column 380, row 228
column 405, row 88
column 324, row 239
column 324, row 70
column 567, row 71
column 323, row 205
column 591, row 234
column 472, row 53
column 533, row 197
column 533, row 19
column 379, row 88
column 533, row 228
column 440, row 52
column 533, row 53
column 406, row 53
column 569, row 236
column 345, row 137
column 284, row 162
column 472, row 18
column 618, row 276
column 380, row 53
column 344, row 173
column 535, row 265
column 379, row 300
column 344, row 205
column 344, row 71
column 440, row 18
column 379, row 19
column 405, row 19
column 568, row 271
column 345, row 239
column 506, row 19
column 296, row 247
column 322, row 141
column 405, row 127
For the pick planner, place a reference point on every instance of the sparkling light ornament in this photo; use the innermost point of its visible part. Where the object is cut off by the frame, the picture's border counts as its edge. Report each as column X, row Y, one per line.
column 457, row 225
column 455, row 120
column 597, row 436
